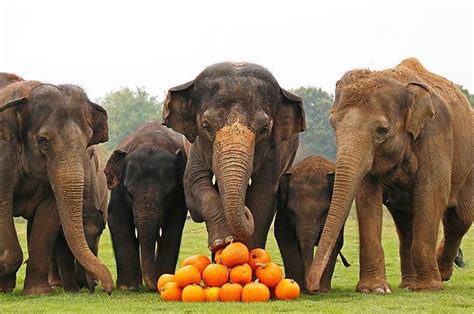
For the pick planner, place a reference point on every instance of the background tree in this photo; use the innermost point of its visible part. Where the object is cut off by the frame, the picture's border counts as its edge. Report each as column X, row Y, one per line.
column 127, row 110
column 319, row 136
column 469, row 96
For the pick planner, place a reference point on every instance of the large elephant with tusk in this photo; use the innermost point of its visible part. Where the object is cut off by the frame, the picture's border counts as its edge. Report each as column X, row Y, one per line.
column 244, row 127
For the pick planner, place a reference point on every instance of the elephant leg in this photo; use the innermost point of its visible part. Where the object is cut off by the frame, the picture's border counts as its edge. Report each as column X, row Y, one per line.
column 66, row 262
column 404, row 224
column 125, row 244
column 170, row 240
column 427, row 214
column 203, row 201
column 372, row 263
column 11, row 255
column 325, row 284
column 261, row 200
column 456, row 223
column 44, row 231
column 54, row 279
column 285, row 235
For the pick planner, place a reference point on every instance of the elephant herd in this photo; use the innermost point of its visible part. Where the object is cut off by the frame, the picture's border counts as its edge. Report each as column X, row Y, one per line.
column 404, row 140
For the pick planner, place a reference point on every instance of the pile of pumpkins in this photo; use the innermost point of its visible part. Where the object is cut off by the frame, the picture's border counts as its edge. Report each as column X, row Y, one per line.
column 229, row 279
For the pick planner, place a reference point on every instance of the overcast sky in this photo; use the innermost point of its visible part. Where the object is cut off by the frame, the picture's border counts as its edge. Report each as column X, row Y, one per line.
column 103, row 46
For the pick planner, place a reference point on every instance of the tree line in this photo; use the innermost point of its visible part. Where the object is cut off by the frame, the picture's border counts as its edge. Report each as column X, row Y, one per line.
column 129, row 108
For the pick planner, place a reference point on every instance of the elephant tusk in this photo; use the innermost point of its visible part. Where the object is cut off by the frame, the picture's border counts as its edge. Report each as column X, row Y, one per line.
column 250, row 182
column 213, row 179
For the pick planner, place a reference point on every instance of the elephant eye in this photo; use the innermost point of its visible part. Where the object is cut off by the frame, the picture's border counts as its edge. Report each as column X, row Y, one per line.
column 264, row 130
column 207, row 127
column 43, row 143
column 382, row 132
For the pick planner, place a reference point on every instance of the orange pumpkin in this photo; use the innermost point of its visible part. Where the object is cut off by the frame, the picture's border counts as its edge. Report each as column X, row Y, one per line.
column 255, row 292
column 269, row 274
column 235, row 254
column 170, row 292
column 287, row 289
column 200, row 261
column 164, row 279
column 212, row 294
column 241, row 274
column 230, row 292
column 257, row 256
column 193, row 293
column 187, row 275
column 215, row 275
column 217, row 256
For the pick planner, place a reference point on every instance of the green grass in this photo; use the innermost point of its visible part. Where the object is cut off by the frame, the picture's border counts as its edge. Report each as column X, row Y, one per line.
column 456, row 297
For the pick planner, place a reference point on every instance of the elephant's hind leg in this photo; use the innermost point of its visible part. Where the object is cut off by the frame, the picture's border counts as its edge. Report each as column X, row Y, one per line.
column 456, row 223
column 44, row 230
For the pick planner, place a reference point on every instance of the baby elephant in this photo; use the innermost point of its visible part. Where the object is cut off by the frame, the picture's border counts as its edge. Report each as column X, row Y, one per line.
column 145, row 174
column 304, row 196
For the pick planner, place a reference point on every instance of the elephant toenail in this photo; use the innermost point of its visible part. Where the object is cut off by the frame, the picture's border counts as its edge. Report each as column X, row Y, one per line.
column 379, row 290
column 229, row 240
column 364, row 290
column 217, row 244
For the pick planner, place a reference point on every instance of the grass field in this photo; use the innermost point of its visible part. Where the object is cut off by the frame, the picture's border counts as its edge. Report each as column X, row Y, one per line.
column 457, row 296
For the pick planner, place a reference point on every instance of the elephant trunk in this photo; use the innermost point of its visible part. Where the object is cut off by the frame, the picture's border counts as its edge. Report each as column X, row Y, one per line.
column 67, row 182
column 352, row 164
column 148, row 228
column 232, row 162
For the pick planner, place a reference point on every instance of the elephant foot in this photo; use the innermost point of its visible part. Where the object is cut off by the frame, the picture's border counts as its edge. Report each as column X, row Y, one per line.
column 37, row 290
column 446, row 271
column 373, row 285
column 407, row 282
column 430, row 285
column 128, row 288
column 7, row 283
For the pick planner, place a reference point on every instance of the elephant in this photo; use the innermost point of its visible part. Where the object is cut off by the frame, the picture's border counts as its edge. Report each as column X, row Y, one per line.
column 303, row 200
column 145, row 175
column 404, row 139
column 244, row 129
column 65, row 271
column 45, row 130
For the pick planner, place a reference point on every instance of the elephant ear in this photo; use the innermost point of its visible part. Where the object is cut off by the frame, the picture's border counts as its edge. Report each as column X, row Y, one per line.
column 420, row 108
column 114, row 168
column 13, row 118
column 282, row 194
column 178, row 111
column 99, row 124
column 290, row 118
column 181, row 158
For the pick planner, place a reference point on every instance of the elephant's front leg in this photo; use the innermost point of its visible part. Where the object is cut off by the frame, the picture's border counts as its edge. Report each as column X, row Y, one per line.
column 44, row 230
column 369, row 213
column 203, row 201
column 429, row 203
column 261, row 200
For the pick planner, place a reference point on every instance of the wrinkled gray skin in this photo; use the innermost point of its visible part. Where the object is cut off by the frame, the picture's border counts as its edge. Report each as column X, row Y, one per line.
column 45, row 131
column 244, row 126
column 304, row 197
column 65, row 270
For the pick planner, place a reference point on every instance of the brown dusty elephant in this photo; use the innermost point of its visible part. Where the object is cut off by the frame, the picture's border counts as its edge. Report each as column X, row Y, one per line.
column 244, row 127
column 145, row 174
column 45, row 131
column 404, row 139
column 65, row 271
column 303, row 203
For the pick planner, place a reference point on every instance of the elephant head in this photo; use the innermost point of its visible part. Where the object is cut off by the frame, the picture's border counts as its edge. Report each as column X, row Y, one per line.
column 234, row 113
column 376, row 117
column 147, row 178
column 54, row 126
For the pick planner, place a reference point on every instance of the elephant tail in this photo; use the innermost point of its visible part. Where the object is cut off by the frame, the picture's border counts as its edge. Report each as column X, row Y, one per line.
column 344, row 260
